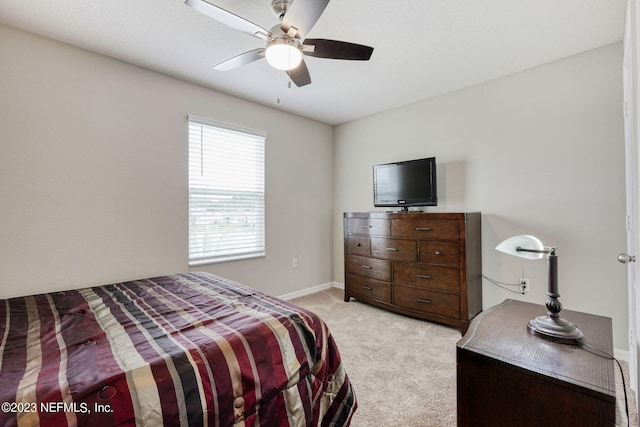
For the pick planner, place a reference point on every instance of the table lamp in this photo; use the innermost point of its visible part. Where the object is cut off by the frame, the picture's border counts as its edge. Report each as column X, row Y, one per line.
column 552, row 326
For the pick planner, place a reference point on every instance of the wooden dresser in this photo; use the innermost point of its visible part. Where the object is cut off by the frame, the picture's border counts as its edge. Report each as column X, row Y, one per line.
column 509, row 377
column 425, row 265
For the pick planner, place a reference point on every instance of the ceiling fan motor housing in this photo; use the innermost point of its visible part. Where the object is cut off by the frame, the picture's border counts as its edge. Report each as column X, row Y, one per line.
column 280, row 7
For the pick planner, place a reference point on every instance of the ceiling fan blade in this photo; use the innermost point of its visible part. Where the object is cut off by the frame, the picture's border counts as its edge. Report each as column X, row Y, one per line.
column 230, row 19
column 300, row 75
column 240, row 60
column 303, row 15
column 335, row 49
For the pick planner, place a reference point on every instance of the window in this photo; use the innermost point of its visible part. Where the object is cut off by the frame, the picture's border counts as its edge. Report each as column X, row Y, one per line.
column 226, row 192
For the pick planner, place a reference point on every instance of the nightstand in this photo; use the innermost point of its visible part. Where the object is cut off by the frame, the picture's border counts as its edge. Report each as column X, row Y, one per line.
column 508, row 377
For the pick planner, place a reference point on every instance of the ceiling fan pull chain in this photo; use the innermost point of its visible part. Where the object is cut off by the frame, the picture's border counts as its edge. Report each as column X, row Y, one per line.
column 278, row 88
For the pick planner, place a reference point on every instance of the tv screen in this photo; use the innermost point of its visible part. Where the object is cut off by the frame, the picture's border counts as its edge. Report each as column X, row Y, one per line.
column 404, row 184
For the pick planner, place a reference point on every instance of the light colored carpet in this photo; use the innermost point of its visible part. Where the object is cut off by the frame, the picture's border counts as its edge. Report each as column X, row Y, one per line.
column 403, row 370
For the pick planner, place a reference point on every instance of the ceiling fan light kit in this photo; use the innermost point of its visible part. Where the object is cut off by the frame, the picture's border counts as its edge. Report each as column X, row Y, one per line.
column 287, row 42
column 283, row 53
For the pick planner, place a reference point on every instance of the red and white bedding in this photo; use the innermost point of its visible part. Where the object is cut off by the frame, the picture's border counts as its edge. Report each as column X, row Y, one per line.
column 184, row 350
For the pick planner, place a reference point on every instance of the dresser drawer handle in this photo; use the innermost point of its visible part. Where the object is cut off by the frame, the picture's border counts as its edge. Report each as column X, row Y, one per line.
column 366, row 226
column 368, row 267
column 438, row 253
column 392, row 249
column 423, row 229
column 426, row 301
column 358, row 245
column 369, row 288
column 424, row 276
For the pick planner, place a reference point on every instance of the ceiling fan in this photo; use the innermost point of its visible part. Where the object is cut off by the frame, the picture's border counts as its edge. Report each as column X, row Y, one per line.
column 286, row 42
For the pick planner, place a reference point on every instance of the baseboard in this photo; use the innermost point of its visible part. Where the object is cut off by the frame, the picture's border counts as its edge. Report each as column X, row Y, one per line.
column 312, row 290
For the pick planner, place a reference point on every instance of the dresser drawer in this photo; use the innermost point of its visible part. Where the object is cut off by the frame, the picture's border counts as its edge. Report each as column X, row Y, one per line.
column 394, row 249
column 424, row 300
column 426, row 229
column 370, row 267
column 369, row 226
column 359, row 245
column 446, row 279
column 368, row 288
column 443, row 253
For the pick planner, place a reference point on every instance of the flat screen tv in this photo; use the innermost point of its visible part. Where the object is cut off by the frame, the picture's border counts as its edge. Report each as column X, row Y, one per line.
column 406, row 183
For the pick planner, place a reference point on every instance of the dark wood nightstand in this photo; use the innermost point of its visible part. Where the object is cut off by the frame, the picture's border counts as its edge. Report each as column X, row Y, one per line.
column 508, row 377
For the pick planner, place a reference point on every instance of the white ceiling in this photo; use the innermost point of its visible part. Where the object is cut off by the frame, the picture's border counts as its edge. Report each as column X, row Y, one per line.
column 423, row 48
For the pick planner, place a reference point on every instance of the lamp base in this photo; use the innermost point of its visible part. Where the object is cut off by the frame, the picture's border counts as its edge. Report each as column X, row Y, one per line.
column 555, row 329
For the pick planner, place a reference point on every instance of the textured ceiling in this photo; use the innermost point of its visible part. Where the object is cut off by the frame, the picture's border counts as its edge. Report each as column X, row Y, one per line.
column 423, row 48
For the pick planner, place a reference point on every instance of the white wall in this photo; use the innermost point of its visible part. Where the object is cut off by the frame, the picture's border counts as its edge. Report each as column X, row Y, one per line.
column 93, row 174
column 539, row 152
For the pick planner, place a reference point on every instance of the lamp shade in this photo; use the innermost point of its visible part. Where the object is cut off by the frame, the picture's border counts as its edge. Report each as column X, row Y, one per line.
column 524, row 241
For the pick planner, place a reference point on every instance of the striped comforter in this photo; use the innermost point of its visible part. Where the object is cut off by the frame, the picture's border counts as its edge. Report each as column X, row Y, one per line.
column 184, row 350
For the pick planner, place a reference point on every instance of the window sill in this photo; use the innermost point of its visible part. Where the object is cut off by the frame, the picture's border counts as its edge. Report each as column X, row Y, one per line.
column 230, row 258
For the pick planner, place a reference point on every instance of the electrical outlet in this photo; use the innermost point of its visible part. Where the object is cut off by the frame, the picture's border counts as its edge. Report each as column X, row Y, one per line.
column 524, row 285
column 295, row 262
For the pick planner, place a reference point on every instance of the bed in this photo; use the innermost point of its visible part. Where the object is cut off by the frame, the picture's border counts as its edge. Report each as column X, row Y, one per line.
column 190, row 349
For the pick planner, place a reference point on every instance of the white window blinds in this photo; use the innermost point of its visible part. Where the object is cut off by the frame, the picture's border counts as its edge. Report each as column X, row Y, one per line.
column 226, row 192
